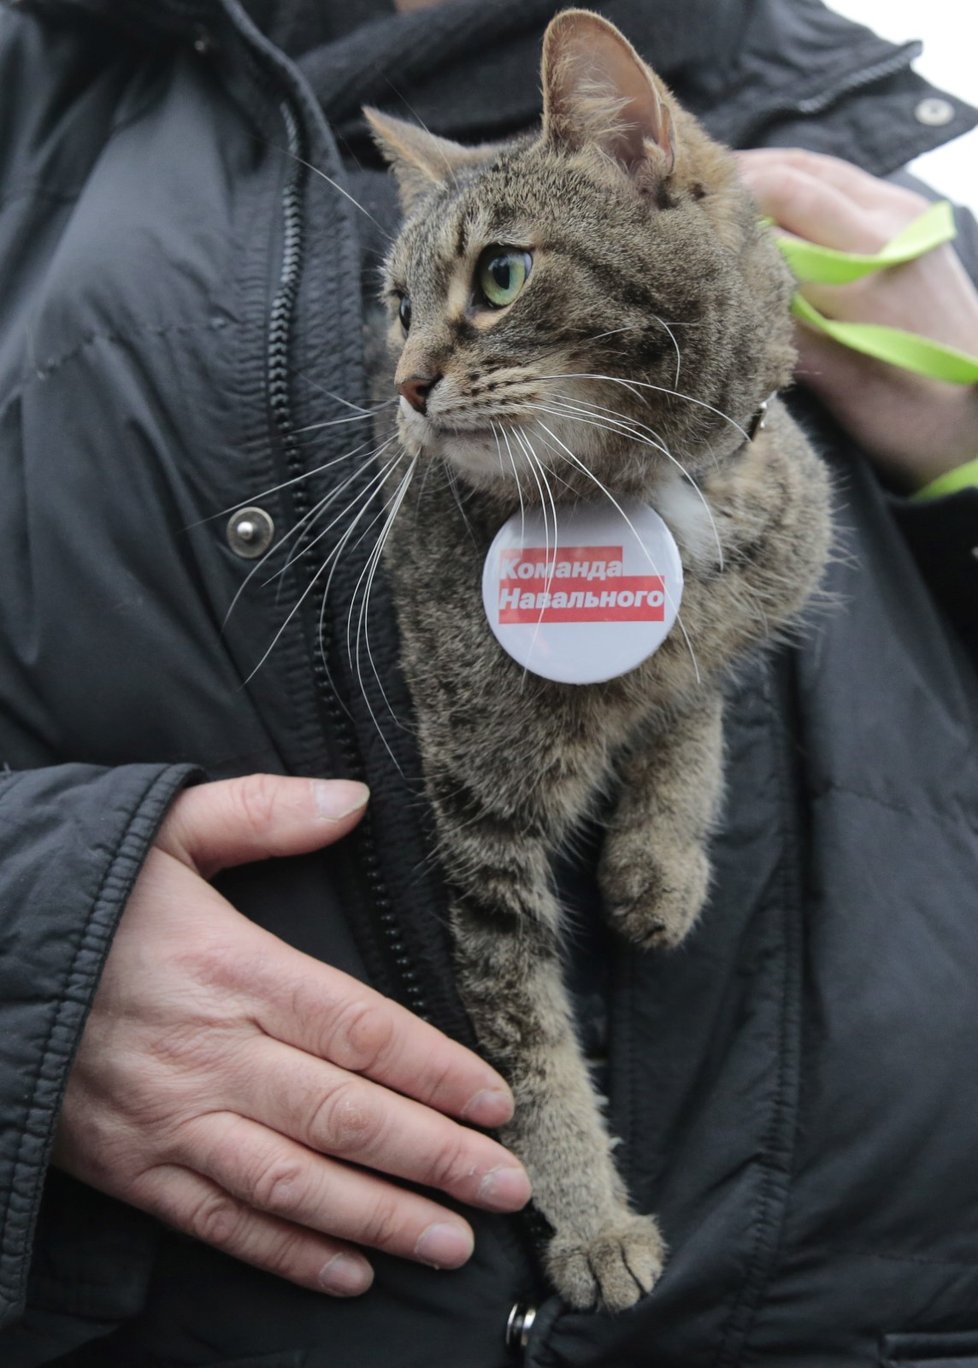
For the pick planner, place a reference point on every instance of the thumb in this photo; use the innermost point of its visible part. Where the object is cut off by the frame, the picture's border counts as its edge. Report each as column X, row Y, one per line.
column 233, row 821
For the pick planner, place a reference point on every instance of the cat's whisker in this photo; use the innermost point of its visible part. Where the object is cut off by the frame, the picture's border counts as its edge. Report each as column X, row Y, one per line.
column 330, row 562
column 335, row 422
column 452, row 478
column 307, row 379
column 605, row 417
column 362, row 632
column 624, row 429
column 579, row 402
column 333, row 559
column 536, row 465
column 608, row 495
column 446, row 161
column 612, row 332
column 286, row 484
column 336, row 186
column 375, row 560
column 530, row 465
column 672, row 338
column 309, row 518
column 367, row 493
column 554, row 474
column 660, row 389
column 516, row 476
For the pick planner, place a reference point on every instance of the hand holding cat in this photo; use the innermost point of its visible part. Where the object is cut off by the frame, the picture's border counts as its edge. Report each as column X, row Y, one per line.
column 223, row 1078
column 916, row 428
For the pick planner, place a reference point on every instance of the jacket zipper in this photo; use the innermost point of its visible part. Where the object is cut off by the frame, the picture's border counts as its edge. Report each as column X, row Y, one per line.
column 890, row 65
column 532, row 1228
column 390, row 938
column 878, row 71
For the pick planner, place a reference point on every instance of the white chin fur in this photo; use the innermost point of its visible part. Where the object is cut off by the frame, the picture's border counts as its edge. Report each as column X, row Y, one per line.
column 685, row 511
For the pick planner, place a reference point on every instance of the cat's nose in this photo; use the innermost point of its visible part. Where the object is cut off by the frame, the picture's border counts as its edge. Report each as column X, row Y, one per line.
column 416, row 389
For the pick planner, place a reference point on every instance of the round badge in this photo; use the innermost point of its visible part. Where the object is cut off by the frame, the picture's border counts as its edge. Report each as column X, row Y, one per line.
column 592, row 603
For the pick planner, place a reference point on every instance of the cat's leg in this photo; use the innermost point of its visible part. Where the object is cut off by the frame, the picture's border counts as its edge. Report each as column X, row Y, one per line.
column 510, row 981
column 654, row 870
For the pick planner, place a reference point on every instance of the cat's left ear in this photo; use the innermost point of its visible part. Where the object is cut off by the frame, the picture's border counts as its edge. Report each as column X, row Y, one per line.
column 420, row 160
column 597, row 92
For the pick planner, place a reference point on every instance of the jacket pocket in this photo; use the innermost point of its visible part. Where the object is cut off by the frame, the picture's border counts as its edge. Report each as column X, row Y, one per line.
column 957, row 1350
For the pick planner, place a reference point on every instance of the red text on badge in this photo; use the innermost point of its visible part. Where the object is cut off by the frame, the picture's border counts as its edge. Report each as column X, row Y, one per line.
column 575, row 584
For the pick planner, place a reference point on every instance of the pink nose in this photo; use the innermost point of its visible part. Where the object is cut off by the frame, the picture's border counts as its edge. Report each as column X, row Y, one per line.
column 416, row 389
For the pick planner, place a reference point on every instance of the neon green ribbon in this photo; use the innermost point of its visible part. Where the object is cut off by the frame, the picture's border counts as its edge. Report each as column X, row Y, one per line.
column 827, row 266
column 961, row 477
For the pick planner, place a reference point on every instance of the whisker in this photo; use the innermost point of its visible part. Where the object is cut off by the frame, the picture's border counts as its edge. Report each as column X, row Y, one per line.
column 330, row 561
column 363, row 618
column 596, row 337
column 336, row 186
column 660, row 389
column 534, row 463
column 672, row 338
column 366, row 491
column 655, row 570
column 417, row 117
column 452, row 478
column 338, row 398
column 335, row 422
column 308, row 517
column 296, row 479
column 516, row 476
column 623, row 428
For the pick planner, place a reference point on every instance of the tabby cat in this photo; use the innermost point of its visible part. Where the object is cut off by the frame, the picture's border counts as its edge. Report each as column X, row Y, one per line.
column 584, row 309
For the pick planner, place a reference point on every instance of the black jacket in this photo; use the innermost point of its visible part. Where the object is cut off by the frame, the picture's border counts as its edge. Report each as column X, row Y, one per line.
column 181, row 300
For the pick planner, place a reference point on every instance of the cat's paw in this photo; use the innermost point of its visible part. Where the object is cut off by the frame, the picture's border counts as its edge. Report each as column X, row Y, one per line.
column 661, row 913
column 613, row 1269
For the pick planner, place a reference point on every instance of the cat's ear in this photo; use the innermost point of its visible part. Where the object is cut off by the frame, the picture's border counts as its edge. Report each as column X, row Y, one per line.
column 420, row 160
column 597, row 92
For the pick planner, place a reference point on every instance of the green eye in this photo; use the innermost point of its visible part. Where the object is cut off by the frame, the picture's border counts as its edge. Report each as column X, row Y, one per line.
column 501, row 274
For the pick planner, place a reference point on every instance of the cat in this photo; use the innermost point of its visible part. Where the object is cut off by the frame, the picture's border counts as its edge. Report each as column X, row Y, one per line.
column 602, row 291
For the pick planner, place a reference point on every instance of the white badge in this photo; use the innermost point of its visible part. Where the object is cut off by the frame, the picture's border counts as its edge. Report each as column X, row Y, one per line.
column 592, row 606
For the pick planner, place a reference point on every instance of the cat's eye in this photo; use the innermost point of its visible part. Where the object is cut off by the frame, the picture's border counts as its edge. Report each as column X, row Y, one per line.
column 501, row 273
column 404, row 312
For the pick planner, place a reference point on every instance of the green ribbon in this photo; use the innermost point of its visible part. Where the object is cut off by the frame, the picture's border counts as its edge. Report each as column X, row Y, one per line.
column 827, row 266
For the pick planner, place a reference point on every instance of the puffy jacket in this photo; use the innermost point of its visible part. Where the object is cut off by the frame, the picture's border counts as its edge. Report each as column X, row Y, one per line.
column 181, row 301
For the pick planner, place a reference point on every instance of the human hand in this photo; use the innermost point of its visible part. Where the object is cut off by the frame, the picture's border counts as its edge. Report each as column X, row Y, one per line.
column 916, row 428
column 226, row 1083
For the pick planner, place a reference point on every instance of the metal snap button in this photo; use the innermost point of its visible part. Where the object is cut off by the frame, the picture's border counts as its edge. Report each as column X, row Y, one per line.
column 519, row 1325
column 250, row 532
column 934, row 112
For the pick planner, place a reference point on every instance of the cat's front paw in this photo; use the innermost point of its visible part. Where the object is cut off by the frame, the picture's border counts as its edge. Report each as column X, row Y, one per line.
column 613, row 1269
column 656, row 905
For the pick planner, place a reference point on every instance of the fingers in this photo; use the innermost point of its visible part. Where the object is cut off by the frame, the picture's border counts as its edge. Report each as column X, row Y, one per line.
column 339, row 1114
column 335, row 1017
column 201, row 1208
column 826, row 200
column 283, row 1180
column 234, row 821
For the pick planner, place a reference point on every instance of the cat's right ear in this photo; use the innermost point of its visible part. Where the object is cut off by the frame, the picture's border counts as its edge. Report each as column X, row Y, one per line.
column 599, row 94
column 420, row 160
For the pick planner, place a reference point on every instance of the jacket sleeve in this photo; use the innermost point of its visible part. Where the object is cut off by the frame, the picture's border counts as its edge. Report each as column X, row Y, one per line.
column 72, row 840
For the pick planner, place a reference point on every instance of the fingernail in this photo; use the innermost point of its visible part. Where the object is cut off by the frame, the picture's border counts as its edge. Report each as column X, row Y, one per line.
column 505, row 1189
column 338, row 798
column 444, row 1246
column 490, row 1107
column 346, row 1276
